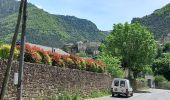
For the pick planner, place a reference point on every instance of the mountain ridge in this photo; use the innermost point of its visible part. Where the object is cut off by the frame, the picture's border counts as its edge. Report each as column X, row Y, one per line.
column 48, row 29
column 158, row 22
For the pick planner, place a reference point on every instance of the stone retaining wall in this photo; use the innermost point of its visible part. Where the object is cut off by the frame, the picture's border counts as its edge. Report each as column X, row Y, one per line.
column 43, row 80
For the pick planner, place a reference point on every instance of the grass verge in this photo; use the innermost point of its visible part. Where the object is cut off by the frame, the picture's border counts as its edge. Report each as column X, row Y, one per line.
column 93, row 94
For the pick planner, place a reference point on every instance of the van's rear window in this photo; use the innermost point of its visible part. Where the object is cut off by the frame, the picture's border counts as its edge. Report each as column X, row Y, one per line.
column 116, row 83
column 122, row 83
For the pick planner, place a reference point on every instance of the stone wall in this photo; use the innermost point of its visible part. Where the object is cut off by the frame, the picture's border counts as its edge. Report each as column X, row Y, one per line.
column 43, row 80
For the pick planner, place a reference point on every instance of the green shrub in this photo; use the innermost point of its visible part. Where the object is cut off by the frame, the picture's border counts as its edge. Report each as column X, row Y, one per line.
column 5, row 52
column 32, row 57
column 95, row 94
column 67, row 97
column 81, row 54
column 45, row 57
column 161, row 82
column 160, row 78
column 113, row 65
column 69, row 62
column 77, row 97
column 82, row 64
column 164, row 85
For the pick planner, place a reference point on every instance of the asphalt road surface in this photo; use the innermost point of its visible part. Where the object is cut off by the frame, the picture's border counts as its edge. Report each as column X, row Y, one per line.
column 152, row 94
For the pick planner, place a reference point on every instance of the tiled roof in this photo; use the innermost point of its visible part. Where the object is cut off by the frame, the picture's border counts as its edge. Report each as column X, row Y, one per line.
column 45, row 48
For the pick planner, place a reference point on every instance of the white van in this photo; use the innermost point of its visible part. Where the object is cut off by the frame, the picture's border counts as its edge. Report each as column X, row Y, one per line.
column 121, row 87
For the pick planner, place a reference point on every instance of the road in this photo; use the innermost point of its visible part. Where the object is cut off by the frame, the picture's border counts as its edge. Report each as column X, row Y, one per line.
column 153, row 94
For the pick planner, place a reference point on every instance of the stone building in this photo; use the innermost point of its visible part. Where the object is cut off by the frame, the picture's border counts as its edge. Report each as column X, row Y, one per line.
column 91, row 48
column 150, row 81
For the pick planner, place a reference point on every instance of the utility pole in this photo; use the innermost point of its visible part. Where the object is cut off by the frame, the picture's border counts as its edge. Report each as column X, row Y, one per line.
column 10, row 59
column 22, row 52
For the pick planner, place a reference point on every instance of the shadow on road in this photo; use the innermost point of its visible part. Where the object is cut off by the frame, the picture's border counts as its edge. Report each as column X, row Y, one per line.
column 119, row 96
column 142, row 91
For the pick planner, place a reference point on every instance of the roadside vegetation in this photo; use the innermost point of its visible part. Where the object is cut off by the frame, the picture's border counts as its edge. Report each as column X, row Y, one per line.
column 62, row 97
column 67, row 96
column 161, row 82
column 133, row 48
column 131, row 51
column 161, row 66
column 113, row 65
column 34, row 54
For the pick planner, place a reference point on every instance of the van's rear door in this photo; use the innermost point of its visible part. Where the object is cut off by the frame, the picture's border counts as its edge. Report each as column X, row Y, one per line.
column 116, row 85
column 123, row 86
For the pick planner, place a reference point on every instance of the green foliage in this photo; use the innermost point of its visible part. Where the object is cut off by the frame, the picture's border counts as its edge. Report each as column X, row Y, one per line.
column 5, row 51
column 8, row 37
column 95, row 66
column 45, row 57
column 164, row 85
column 161, row 82
column 1, row 43
column 8, row 7
column 113, row 65
column 32, row 57
column 67, row 97
column 141, row 83
column 95, row 94
column 133, row 43
column 47, row 29
column 157, row 22
column 77, row 97
column 161, row 66
column 147, row 69
column 89, row 51
column 159, row 50
column 82, row 65
column 163, row 10
column 82, row 54
column 160, row 78
column 166, row 47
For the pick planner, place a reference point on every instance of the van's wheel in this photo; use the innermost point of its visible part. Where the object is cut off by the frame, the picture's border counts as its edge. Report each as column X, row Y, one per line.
column 131, row 94
column 113, row 94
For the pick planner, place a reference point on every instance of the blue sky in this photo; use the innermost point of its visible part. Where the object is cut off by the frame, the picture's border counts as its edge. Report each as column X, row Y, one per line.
column 104, row 13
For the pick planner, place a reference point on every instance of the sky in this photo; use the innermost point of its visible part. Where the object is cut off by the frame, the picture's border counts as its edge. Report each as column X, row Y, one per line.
column 104, row 13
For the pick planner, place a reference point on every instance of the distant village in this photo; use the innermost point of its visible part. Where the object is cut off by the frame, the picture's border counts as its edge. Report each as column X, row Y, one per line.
column 91, row 49
column 82, row 49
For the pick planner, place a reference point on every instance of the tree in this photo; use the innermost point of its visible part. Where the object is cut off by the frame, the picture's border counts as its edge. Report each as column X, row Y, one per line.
column 159, row 79
column 161, row 66
column 134, row 44
column 166, row 47
column 113, row 64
